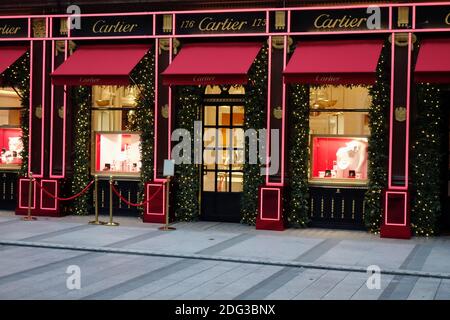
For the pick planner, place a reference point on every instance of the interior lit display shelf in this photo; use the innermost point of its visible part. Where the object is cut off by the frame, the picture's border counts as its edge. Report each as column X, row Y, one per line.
column 337, row 183
column 9, row 167
column 117, row 154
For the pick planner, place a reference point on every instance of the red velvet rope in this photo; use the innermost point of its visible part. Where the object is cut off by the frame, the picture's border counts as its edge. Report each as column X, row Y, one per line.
column 135, row 204
column 65, row 199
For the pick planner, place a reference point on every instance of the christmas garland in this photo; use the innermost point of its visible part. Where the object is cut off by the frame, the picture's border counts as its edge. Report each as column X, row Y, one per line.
column 378, row 143
column 18, row 76
column 426, row 162
column 255, row 116
column 186, row 204
column 297, row 200
column 81, row 102
column 143, row 76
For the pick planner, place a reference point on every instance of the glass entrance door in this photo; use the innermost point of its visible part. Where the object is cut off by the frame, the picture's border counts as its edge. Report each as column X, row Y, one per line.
column 223, row 157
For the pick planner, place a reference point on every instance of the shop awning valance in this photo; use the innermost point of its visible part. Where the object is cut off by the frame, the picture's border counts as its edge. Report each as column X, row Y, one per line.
column 334, row 62
column 211, row 63
column 100, row 65
column 9, row 55
column 433, row 61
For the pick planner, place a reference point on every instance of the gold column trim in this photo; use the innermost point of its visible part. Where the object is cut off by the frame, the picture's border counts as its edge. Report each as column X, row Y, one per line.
column 342, row 208
column 167, row 23
column 332, row 207
column 38, row 26
column 321, row 208
column 280, row 20
column 403, row 17
column 353, row 209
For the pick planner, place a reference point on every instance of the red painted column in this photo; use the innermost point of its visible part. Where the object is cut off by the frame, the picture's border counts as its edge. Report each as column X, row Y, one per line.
column 396, row 210
column 44, row 149
column 270, row 196
column 155, row 211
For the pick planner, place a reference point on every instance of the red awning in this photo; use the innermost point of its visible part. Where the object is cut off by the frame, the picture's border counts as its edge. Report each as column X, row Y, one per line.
column 100, row 65
column 334, row 62
column 9, row 55
column 211, row 63
column 433, row 61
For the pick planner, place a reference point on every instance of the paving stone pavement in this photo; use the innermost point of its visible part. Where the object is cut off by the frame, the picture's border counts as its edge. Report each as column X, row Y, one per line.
column 210, row 260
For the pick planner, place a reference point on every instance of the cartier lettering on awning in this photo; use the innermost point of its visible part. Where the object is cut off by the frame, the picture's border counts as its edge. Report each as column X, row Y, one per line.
column 433, row 61
column 211, row 63
column 100, row 65
column 334, row 62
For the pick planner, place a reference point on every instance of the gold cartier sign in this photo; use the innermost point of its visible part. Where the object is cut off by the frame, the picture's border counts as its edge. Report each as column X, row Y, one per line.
column 208, row 24
column 339, row 20
column 115, row 26
column 447, row 19
column 325, row 21
column 13, row 28
column 237, row 22
column 101, row 26
column 9, row 30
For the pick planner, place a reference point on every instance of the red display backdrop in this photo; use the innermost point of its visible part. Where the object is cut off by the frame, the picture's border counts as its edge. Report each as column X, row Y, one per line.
column 339, row 157
column 10, row 146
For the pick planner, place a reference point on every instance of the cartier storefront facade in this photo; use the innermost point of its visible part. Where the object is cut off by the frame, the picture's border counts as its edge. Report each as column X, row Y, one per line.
column 345, row 106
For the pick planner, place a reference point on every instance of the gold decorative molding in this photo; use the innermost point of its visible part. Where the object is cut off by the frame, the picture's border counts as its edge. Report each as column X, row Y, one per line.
column 60, row 47
column 280, row 20
column 165, row 111
column 164, row 45
column 39, row 28
column 278, row 42
column 400, row 114
column 61, row 112
column 277, row 112
column 167, row 23
column 403, row 17
column 38, row 112
column 401, row 39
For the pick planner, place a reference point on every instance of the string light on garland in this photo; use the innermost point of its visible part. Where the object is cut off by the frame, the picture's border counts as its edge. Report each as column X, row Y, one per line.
column 82, row 134
column 186, row 182
column 426, row 161
column 143, row 76
column 378, row 149
column 255, row 116
column 298, row 190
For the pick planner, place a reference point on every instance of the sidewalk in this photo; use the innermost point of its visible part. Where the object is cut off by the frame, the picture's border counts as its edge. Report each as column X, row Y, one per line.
column 225, row 243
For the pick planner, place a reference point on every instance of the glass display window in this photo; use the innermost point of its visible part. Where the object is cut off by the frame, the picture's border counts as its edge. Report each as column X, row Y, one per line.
column 113, row 108
column 339, row 110
column 115, row 140
column 11, row 145
column 223, row 138
column 342, row 158
column 117, row 153
column 339, row 127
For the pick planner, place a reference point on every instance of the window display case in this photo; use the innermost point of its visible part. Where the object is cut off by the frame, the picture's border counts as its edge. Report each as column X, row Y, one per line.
column 339, row 159
column 117, row 153
column 11, row 147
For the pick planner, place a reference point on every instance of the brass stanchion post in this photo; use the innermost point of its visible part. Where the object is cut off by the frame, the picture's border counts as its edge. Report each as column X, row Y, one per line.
column 96, row 222
column 111, row 223
column 30, row 190
column 166, row 226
